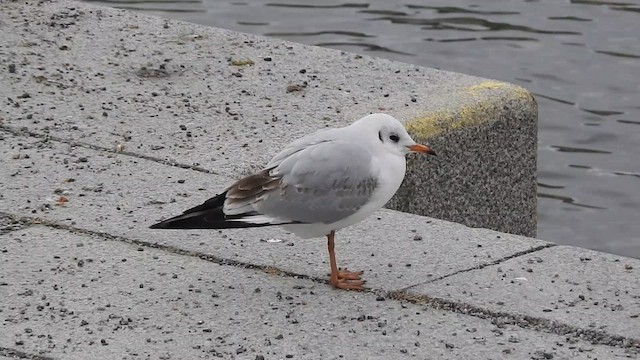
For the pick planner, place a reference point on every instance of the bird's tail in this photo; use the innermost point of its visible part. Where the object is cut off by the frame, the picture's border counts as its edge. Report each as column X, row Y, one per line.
column 210, row 215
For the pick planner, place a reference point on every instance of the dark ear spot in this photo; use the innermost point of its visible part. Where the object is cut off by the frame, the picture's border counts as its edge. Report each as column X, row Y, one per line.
column 380, row 135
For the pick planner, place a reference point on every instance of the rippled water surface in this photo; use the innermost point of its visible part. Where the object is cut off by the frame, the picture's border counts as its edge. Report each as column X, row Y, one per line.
column 581, row 58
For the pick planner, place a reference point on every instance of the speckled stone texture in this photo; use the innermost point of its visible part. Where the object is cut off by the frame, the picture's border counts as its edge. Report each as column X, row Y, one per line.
column 112, row 120
column 485, row 174
column 85, row 278
column 226, row 102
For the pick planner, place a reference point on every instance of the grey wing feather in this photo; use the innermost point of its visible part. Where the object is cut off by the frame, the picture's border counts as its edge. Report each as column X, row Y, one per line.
column 324, row 182
column 245, row 195
column 304, row 142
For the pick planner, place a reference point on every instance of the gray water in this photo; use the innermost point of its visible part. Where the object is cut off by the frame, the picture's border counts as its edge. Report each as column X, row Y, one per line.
column 580, row 58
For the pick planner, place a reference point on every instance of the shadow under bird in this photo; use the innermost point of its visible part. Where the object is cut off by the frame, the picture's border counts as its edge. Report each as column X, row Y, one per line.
column 316, row 186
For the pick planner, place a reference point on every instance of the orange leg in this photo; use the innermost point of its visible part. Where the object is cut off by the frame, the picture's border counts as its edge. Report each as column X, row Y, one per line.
column 342, row 279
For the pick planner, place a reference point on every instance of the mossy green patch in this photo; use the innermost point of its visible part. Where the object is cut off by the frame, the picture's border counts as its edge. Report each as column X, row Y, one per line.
column 481, row 110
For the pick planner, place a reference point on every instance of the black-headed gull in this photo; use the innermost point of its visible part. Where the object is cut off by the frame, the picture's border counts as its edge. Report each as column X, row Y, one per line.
column 317, row 185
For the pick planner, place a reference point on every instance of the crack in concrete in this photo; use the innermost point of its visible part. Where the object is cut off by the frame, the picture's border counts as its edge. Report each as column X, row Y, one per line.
column 24, row 131
column 17, row 354
column 482, row 266
column 499, row 319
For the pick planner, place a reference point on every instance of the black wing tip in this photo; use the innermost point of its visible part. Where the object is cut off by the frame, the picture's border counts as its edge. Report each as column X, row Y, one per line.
column 173, row 223
column 212, row 206
column 157, row 226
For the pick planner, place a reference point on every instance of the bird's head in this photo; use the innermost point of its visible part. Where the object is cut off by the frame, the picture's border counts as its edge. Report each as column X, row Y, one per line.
column 391, row 134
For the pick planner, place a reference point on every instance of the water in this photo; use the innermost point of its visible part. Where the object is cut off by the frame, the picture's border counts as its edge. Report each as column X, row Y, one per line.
column 581, row 59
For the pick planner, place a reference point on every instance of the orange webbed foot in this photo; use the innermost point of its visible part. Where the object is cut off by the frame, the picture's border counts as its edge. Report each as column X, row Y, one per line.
column 348, row 280
column 350, row 275
column 357, row 285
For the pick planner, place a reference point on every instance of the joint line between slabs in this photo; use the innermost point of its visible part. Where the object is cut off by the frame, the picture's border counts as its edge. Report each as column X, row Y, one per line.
column 482, row 266
column 15, row 225
column 529, row 322
column 30, row 221
column 29, row 133
column 18, row 354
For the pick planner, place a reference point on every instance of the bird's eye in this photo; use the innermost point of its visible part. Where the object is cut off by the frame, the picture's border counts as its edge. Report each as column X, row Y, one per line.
column 394, row 137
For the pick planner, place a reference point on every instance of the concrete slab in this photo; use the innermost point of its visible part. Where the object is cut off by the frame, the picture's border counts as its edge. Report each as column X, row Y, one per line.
column 589, row 289
column 122, row 196
column 73, row 296
column 226, row 102
column 99, row 142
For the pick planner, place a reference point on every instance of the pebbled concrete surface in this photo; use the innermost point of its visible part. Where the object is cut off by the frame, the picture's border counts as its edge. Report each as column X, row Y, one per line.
column 79, row 188
column 226, row 102
column 590, row 289
column 111, row 198
column 87, row 298
column 123, row 195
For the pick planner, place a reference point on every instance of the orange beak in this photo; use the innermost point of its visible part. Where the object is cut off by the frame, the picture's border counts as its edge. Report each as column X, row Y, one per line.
column 422, row 149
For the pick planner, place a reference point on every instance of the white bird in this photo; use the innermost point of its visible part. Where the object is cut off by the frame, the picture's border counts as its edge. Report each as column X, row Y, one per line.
column 317, row 185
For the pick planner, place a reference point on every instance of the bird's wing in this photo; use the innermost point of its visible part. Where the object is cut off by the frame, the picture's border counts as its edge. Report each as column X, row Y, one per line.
column 324, row 181
column 316, row 179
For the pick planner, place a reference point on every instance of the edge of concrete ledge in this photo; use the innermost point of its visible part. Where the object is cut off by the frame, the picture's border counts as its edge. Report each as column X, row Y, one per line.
column 482, row 102
column 485, row 175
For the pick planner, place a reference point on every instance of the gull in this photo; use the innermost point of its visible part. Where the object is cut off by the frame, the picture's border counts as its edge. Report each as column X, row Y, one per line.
column 317, row 185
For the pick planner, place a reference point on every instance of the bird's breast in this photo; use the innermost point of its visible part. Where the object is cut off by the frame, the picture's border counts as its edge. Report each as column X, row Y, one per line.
column 391, row 170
